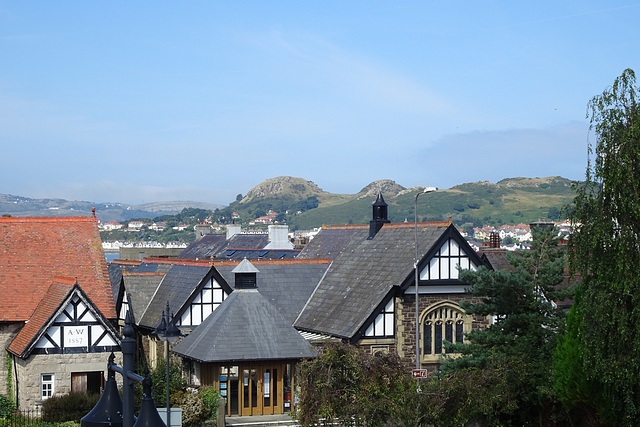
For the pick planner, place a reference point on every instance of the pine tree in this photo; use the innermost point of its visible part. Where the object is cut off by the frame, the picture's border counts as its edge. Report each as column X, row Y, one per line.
column 522, row 300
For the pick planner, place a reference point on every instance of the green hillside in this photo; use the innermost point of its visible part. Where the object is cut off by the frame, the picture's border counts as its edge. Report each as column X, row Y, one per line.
column 510, row 201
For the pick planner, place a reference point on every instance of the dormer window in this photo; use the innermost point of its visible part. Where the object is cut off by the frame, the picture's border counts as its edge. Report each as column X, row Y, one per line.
column 383, row 325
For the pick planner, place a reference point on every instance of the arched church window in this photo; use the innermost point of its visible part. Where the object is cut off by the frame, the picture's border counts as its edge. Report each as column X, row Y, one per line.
column 443, row 322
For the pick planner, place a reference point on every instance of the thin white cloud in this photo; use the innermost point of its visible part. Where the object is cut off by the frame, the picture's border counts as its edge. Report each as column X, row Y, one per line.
column 494, row 155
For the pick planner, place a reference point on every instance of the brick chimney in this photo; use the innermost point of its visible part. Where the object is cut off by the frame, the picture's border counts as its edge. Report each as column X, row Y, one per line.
column 494, row 240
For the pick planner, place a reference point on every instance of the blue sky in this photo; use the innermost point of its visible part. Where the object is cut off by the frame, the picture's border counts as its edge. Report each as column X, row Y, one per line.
column 201, row 100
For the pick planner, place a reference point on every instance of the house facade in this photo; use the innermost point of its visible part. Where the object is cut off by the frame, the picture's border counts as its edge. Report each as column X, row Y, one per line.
column 246, row 345
column 368, row 295
column 255, row 349
column 56, row 317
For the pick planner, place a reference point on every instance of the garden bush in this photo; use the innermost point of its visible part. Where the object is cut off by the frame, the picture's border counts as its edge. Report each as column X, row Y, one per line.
column 6, row 406
column 68, row 407
column 210, row 397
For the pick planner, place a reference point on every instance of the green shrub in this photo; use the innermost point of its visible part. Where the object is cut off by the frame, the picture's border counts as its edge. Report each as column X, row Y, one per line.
column 68, row 407
column 159, row 381
column 210, row 397
column 6, row 406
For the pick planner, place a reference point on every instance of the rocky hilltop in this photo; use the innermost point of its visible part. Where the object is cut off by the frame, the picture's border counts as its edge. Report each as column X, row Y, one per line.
column 385, row 186
column 284, row 186
column 300, row 189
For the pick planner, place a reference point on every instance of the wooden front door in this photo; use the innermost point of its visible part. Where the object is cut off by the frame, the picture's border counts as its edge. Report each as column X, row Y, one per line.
column 261, row 389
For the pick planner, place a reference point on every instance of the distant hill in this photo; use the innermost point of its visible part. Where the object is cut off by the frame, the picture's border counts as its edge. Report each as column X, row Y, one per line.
column 303, row 205
column 24, row 206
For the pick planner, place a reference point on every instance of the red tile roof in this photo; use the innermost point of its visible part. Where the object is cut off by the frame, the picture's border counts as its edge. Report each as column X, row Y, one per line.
column 53, row 298
column 35, row 250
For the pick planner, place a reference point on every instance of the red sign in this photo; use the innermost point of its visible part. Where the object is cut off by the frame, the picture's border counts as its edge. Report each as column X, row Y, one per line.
column 419, row 373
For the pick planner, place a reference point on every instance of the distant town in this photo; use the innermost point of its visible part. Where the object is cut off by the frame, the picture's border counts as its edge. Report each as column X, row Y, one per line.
column 512, row 237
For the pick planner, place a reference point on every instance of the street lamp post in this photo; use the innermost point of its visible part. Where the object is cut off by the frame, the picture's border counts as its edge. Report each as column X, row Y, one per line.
column 415, row 268
column 169, row 332
column 111, row 410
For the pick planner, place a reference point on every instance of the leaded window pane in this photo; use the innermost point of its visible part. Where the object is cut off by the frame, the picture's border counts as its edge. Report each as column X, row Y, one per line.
column 389, row 307
column 448, row 331
column 454, row 270
column 197, row 315
column 198, row 299
column 427, row 337
column 459, row 331
column 206, row 311
column 218, row 295
column 437, row 333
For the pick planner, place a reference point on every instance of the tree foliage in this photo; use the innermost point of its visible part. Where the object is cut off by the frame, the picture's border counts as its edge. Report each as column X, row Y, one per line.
column 605, row 251
column 523, row 337
column 570, row 381
column 344, row 385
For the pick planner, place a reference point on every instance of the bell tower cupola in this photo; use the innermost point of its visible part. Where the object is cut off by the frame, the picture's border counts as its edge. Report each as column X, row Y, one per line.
column 379, row 217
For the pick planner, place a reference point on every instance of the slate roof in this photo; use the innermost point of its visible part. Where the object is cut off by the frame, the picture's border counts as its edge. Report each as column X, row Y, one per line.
column 116, row 268
column 35, row 250
column 331, row 241
column 363, row 272
column 154, row 281
column 181, row 279
column 245, row 327
column 498, row 259
column 205, row 247
column 216, row 245
column 235, row 253
column 287, row 284
column 141, row 286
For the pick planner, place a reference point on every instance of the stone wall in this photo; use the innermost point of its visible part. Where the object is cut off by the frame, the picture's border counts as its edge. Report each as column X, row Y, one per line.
column 406, row 322
column 8, row 331
column 29, row 371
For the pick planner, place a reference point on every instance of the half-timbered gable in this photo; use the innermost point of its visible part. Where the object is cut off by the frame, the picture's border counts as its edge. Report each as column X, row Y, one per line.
column 441, row 264
column 75, row 326
column 206, row 297
column 182, row 285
